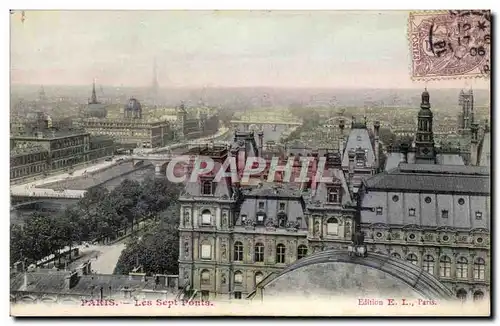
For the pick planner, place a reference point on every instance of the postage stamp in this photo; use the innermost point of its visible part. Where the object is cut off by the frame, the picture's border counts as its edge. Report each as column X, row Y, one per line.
column 450, row 44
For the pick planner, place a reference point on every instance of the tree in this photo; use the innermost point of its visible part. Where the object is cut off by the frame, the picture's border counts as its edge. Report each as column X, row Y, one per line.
column 157, row 252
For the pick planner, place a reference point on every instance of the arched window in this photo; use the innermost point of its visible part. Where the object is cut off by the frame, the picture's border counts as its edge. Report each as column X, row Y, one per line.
column 259, row 252
column 258, row 277
column 301, row 251
column 206, row 217
column 412, row 258
column 462, row 267
column 280, row 253
column 396, row 255
column 428, row 264
column 462, row 294
column 205, row 276
column 238, row 277
column 332, row 226
column 479, row 267
column 238, row 251
column 445, row 266
column 478, row 295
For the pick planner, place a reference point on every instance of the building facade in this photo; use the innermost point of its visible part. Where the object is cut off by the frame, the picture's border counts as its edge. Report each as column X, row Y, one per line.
column 133, row 130
column 435, row 216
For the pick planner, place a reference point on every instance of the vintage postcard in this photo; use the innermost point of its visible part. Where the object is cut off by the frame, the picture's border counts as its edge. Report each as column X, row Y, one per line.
column 250, row 163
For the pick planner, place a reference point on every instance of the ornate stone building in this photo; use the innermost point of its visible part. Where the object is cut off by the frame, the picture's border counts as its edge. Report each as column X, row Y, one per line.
column 232, row 236
column 133, row 130
column 435, row 216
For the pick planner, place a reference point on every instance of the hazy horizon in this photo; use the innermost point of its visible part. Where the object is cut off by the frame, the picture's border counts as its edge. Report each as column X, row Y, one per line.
column 228, row 49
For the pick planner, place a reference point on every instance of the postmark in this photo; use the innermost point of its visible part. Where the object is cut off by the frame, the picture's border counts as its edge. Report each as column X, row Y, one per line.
column 450, row 44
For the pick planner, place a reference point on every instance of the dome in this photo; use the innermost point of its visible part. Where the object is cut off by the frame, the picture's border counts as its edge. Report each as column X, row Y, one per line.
column 133, row 105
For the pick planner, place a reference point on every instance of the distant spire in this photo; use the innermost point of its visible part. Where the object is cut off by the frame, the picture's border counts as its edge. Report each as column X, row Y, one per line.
column 93, row 99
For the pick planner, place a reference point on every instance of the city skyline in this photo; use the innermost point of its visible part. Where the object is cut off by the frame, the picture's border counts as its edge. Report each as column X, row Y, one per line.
column 286, row 49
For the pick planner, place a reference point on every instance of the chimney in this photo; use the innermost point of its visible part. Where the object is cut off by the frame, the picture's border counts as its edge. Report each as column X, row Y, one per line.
column 473, row 144
column 341, row 138
column 19, row 266
column 261, row 142
column 25, row 281
column 352, row 155
column 404, row 150
column 376, row 127
column 70, row 280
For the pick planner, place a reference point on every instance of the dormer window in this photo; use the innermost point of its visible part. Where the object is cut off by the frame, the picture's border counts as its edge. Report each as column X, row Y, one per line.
column 479, row 215
column 411, row 212
column 282, row 219
column 282, row 206
column 243, row 218
column 360, row 161
column 261, row 217
column 261, row 205
column 207, row 187
column 333, row 195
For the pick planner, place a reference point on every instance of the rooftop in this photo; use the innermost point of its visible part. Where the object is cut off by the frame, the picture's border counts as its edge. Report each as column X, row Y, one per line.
column 433, row 178
column 26, row 150
column 49, row 134
column 274, row 190
column 53, row 281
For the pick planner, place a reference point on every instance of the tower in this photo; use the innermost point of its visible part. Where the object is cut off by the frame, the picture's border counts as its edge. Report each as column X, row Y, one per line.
column 466, row 116
column 93, row 98
column 41, row 94
column 424, row 140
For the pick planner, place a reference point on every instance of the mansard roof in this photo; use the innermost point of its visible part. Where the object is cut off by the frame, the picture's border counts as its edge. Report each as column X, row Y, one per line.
column 433, row 178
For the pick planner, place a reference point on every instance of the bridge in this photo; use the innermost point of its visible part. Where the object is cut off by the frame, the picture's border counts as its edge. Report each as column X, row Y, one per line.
column 257, row 124
column 160, row 161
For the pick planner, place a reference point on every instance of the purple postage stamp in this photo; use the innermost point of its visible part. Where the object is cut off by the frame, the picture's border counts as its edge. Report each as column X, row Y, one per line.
column 450, row 44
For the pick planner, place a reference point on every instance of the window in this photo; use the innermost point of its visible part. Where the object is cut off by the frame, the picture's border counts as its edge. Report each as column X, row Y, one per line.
column 243, row 218
column 206, row 251
column 237, row 295
column 395, row 198
column 428, row 264
column 444, row 214
column 258, row 277
column 205, row 277
column 478, row 295
column 462, row 295
column 412, row 236
column 445, row 266
column 206, row 217
column 282, row 206
column 461, row 201
column 479, row 240
column 396, row 255
column 411, row 212
column 479, row 215
column 332, row 226
column 259, row 252
column 428, row 200
column 261, row 205
column 379, row 211
column 301, row 251
column 238, row 251
column 360, row 162
column 238, row 277
column 333, row 195
column 260, row 218
column 207, row 187
column 479, row 267
column 412, row 258
column 462, row 267
column 280, row 253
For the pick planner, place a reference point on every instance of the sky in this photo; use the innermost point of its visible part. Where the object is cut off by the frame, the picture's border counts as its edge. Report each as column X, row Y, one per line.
column 342, row 49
